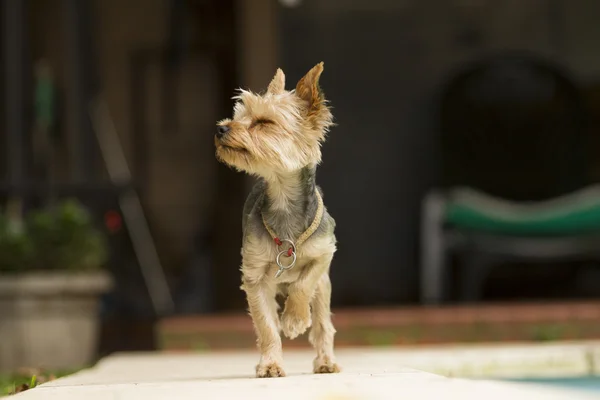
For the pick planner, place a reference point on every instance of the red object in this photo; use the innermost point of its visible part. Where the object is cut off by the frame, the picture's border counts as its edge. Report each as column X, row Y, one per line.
column 290, row 251
column 113, row 221
column 278, row 242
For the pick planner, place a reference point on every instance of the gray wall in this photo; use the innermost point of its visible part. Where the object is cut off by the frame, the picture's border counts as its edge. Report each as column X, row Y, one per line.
column 384, row 62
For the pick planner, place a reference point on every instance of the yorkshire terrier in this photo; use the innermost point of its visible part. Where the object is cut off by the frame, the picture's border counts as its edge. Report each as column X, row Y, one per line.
column 288, row 235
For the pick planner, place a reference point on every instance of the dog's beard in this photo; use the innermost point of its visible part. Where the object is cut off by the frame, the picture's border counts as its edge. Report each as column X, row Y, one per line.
column 238, row 158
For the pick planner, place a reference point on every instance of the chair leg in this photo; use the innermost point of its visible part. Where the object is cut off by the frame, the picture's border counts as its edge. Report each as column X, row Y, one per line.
column 433, row 249
column 474, row 270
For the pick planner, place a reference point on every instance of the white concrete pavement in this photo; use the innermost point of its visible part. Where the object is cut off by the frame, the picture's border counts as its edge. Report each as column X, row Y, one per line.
column 369, row 374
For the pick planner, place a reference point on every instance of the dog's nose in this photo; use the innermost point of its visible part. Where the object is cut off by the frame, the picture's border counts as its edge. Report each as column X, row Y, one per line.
column 222, row 130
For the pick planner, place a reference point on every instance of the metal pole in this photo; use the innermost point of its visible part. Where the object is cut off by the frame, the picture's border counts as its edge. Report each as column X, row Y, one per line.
column 78, row 38
column 14, row 59
column 137, row 225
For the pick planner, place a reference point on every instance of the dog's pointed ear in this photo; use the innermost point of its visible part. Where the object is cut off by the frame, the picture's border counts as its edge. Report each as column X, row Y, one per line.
column 277, row 85
column 317, row 113
column 308, row 87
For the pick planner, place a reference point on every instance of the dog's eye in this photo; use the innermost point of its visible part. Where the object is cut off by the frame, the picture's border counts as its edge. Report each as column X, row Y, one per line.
column 260, row 121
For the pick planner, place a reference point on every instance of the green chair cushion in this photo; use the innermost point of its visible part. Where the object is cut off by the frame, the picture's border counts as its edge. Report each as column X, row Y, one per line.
column 576, row 213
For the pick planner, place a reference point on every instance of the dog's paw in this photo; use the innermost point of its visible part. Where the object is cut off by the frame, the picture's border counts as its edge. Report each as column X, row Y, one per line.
column 271, row 370
column 295, row 319
column 325, row 366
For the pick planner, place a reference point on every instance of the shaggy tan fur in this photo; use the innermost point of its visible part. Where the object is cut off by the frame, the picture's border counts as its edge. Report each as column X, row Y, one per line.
column 277, row 136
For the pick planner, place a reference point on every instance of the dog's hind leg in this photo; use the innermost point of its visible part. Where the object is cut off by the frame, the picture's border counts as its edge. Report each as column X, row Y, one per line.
column 263, row 310
column 322, row 331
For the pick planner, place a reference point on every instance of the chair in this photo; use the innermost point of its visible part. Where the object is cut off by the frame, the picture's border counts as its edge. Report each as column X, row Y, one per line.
column 514, row 181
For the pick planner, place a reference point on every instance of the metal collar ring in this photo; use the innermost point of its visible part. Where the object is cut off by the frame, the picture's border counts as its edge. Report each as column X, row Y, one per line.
column 288, row 241
column 285, row 267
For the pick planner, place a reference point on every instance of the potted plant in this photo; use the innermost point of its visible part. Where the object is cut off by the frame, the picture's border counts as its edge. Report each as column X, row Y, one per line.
column 51, row 279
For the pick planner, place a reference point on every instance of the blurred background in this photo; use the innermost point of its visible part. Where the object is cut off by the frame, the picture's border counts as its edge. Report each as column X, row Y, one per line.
column 461, row 174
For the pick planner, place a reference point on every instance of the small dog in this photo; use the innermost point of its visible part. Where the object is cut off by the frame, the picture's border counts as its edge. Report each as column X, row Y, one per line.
column 288, row 236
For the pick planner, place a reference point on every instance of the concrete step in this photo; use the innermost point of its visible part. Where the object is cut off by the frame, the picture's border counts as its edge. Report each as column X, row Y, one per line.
column 366, row 374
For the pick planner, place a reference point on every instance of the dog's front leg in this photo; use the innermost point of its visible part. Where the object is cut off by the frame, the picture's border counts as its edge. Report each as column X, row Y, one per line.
column 296, row 318
column 263, row 310
column 322, row 332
